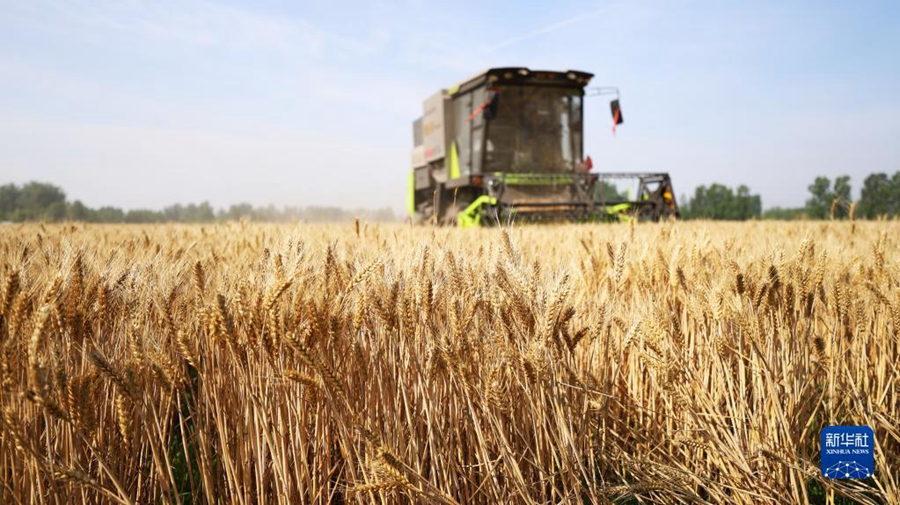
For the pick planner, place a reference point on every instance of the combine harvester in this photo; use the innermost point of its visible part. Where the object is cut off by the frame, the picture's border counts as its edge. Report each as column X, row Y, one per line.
column 508, row 144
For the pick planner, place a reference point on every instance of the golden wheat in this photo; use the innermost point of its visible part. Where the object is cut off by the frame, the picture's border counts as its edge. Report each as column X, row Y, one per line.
column 234, row 363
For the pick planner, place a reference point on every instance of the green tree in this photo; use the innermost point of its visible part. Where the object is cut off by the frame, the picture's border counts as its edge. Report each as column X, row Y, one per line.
column 746, row 205
column 721, row 202
column 842, row 188
column 39, row 196
column 880, row 196
column 143, row 216
column 842, row 195
column 78, row 211
column 56, row 211
column 237, row 212
column 9, row 198
column 894, row 201
column 823, row 197
column 36, row 201
column 204, row 213
column 108, row 215
column 174, row 213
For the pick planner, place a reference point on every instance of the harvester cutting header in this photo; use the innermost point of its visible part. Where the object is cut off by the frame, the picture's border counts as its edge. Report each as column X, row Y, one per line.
column 508, row 143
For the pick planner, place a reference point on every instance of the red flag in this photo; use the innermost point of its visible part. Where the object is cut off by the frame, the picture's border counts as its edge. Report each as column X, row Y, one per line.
column 616, row 113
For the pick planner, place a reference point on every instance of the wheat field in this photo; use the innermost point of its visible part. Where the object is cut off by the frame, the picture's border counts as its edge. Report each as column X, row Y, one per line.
column 678, row 362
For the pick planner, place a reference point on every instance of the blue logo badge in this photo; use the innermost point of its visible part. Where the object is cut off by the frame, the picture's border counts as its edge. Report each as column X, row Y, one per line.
column 848, row 452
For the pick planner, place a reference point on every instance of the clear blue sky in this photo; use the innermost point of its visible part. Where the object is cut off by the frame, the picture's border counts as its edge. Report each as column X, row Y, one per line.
column 146, row 103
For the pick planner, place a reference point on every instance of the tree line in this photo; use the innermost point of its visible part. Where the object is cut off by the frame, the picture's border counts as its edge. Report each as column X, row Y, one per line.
column 880, row 196
column 827, row 199
column 38, row 201
column 721, row 202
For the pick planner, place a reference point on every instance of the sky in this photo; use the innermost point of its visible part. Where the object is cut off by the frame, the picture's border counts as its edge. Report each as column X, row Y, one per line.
column 142, row 104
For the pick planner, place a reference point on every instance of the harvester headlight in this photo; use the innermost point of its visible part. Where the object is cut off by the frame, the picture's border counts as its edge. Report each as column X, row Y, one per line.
column 571, row 76
column 523, row 72
column 508, row 75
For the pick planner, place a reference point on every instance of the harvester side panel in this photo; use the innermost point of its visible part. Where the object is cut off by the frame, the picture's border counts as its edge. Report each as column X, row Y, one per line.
column 434, row 118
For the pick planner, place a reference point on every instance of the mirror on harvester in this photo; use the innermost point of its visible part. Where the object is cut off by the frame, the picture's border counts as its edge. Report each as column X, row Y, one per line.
column 616, row 112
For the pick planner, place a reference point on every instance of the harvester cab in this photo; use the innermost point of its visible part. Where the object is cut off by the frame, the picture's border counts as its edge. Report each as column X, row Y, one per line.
column 507, row 144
